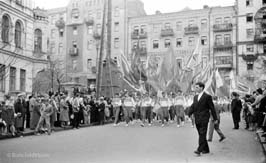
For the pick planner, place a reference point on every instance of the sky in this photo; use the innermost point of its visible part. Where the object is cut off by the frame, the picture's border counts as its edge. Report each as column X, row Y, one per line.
column 150, row 5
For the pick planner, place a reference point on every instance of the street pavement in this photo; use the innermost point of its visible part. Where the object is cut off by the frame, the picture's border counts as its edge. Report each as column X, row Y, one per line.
column 133, row 144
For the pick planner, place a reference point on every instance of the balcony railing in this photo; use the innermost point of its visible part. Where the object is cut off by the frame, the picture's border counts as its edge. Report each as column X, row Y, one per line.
column 136, row 35
column 223, row 27
column 167, row 32
column 260, row 37
column 89, row 21
column 73, row 51
column 250, row 57
column 142, row 50
column 96, row 35
column 191, row 30
column 224, row 62
column 223, row 44
column 60, row 24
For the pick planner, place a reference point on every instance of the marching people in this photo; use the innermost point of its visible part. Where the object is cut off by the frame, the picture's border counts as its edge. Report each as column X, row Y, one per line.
column 128, row 105
column 236, row 107
column 116, row 102
column 163, row 111
column 146, row 109
column 216, row 126
column 172, row 107
column 179, row 108
column 201, row 107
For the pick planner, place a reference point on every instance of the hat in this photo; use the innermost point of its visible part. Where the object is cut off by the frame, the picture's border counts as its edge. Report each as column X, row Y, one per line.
column 21, row 94
column 101, row 98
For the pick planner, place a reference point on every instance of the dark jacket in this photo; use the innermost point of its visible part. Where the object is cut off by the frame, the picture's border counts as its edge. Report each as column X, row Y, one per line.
column 201, row 109
column 236, row 105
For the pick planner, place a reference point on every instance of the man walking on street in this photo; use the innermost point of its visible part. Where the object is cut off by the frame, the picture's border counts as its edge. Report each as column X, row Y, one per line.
column 213, row 126
column 201, row 107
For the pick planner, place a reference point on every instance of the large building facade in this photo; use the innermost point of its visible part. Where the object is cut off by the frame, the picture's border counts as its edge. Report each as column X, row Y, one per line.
column 22, row 46
column 213, row 28
column 251, row 40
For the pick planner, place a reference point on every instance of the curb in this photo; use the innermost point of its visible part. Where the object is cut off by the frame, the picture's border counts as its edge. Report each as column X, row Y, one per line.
column 57, row 129
column 262, row 141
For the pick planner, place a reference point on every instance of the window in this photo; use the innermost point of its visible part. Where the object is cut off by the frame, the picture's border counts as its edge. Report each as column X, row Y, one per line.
column 89, row 64
column 167, row 43
column 22, row 80
column 250, row 48
column 203, row 40
column 74, row 44
column 250, row 65
column 249, row 3
column 179, row 64
column 191, row 41
column 227, row 20
column 155, row 44
column 218, row 21
column 134, row 45
column 60, row 48
column 117, row 11
column 2, row 77
column 203, row 24
column 167, row 26
column 74, row 64
column 116, row 43
column 179, row 26
column 75, row 14
column 18, row 32
column 218, row 39
column 179, row 42
column 116, row 26
column 249, row 17
column 52, row 48
column 90, row 43
column 90, row 30
column 53, row 33
column 5, row 29
column 98, row 15
column 143, row 44
column 156, row 28
column 75, row 30
column 98, row 28
column 136, row 30
column 38, row 40
column 227, row 39
column 264, row 48
column 142, row 29
column 61, row 32
column 250, row 33
column 191, row 23
column 12, row 79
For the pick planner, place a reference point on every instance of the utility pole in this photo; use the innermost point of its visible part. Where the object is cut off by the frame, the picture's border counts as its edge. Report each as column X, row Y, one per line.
column 100, row 64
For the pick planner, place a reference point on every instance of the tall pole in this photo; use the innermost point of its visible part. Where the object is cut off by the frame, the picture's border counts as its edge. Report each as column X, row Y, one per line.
column 100, row 64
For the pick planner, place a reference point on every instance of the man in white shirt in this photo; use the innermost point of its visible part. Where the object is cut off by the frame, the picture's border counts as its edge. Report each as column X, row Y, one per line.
column 116, row 102
column 163, row 111
column 128, row 105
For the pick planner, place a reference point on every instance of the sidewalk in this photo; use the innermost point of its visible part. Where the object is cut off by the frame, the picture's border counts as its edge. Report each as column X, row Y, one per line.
column 28, row 132
column 262, row 141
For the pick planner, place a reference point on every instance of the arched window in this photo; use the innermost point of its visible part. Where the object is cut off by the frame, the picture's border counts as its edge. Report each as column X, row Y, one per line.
column 5, row 29
column 38, row 41
column 18, row 33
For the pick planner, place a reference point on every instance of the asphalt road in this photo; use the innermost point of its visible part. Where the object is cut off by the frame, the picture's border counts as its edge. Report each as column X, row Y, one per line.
column 120, row 144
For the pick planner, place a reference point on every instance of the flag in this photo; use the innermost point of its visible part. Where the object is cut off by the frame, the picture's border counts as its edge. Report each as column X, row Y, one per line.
column 196, row 57
column 167, row 68
column 127, row 73
column 210, row 86
column 137, row 66
column 218, row 79
column 232, row 80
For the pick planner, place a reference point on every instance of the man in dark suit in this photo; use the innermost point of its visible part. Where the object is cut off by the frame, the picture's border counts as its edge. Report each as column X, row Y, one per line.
column 201, row 107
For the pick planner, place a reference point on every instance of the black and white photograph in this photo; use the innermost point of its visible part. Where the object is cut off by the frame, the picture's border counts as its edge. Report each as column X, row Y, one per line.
column 132, row 81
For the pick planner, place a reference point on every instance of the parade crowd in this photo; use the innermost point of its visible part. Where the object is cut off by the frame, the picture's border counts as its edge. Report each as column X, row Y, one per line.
column 42, row 113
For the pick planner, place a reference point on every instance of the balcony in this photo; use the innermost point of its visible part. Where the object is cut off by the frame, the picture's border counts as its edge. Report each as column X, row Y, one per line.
column 93, row 69
column 167, row 32
column 60, row 24
column 222, row 27
column 143, row 51
column 73, row 51
column 223, row 45
column 96, row 35
column 89, row 21
column 136, row 35
column 260, row 37
column 250, row 57
column 224, row 62
column 192, row 30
